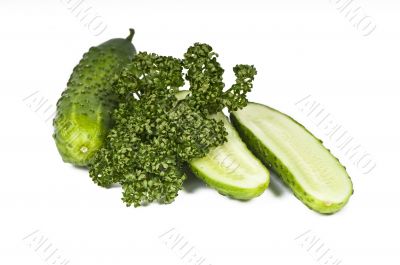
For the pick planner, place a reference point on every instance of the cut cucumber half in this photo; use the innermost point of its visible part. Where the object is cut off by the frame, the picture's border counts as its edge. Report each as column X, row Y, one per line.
column 231, row 168
column 315, row 176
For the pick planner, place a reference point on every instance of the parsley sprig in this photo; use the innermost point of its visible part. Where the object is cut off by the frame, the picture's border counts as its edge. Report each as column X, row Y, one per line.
column 154, row 134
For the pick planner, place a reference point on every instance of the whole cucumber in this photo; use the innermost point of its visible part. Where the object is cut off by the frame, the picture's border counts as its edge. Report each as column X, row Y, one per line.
column 84, row 110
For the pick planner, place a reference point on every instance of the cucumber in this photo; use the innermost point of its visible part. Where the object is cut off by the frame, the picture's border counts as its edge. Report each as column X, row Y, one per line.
column 84, row 110
column 231, row 168
column 315, row 176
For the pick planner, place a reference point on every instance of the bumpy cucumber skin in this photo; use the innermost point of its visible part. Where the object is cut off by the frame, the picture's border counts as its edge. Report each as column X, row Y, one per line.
column 272, row 161
column 84, row 110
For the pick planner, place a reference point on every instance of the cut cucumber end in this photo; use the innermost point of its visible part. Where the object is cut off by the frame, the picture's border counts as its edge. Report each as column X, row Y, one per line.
column 231, row 168
column 233, row 190
column 315, row 176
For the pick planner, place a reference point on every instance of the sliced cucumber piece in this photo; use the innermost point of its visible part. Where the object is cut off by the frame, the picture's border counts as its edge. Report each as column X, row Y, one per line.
column 231, row 168
column 315, row 176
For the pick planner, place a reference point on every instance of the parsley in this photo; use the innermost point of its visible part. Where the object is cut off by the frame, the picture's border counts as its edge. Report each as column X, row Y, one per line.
column 154, row 134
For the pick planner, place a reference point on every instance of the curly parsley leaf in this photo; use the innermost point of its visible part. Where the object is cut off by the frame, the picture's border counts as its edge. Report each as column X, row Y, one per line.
column 154, row 134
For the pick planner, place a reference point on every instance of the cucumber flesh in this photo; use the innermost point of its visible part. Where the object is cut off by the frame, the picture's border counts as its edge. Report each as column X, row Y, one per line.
column 231, row 168
column 315, row 176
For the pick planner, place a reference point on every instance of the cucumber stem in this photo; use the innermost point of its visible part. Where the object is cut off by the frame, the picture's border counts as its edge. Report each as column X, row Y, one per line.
column 131, row 34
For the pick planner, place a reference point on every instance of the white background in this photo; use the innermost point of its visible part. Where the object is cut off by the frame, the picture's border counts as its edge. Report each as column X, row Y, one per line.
column 300, row 48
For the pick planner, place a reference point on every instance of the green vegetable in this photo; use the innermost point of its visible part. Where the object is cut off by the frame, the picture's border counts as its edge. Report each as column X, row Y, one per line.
column 231, row 168
column 84, row 110
column 154, row 134
column 316, row 177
